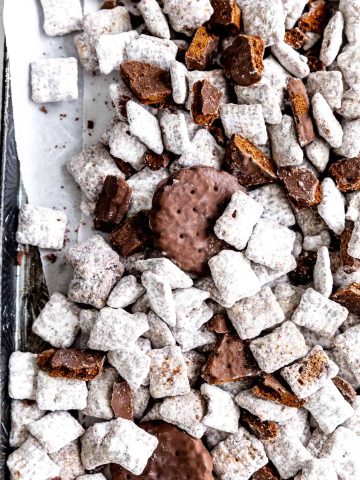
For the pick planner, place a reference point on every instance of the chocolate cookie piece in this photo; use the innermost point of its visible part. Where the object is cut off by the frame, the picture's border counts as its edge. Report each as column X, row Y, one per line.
column 226, row 17
column 301, row 186
column 155, row 161
column 125, row 167
column 206, row 102
column 71, row 363
column 349, row 297
column 201, row 50
column 217, row 131
column 304, row 270
column 316, row 19
column 300, row 106
column 269, row 388
column 315, row 64
column 346, row 174
column 133, row 236
column 243, row 60
column 266, row 473
column 177, row 456
column 113, row 201
column 122, row 401
column 348, row 263
column 186, row 206
column 230, row 361
column 265, row 430
column 295, row 38
column 219, row 324
column 149, row 83
column 248, row 163
column 109, row 5
column 346, row 390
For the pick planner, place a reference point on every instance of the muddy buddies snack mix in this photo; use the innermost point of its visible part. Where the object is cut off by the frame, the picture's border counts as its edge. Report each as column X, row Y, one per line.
column 211, row 328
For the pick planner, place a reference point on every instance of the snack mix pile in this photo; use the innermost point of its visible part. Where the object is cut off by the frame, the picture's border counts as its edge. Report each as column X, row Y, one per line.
column 212, row 331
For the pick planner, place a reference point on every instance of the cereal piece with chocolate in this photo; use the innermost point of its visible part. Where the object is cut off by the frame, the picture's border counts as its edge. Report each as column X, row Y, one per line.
column 160, row 296
column 163, row 267
column 149, row 83
column 279, row 348
column 58, row 322
column 264, row 409
column 168, row 373
column 242, row 445
column 318, row 152
column 286, row 150
column 350, row 104
column 125, row 293
column 119, row 441
column 113, row 201
column 328, row 407
column 190, row 308
column 23, row 369
column 275, row 204
column 23, row 412
column 206, row 103
column 67, row 428
column 245, row 120
column 350, row 10
column 271, row 245
column 216, row 77
column 226, row 268
column 54, row 393
column 31, row 461
column 126, row 146
column 254, row 314
column 348, row 345
column 342, row 449
column 61, row 17
column 116, row 328
column 178, row 74
column 188, row 339
column 144, row 126
column 265, row 20
column 174, row 131
column 194, row 362
column 42, row 227
column 155, row 51
column 348, row 62
column 154, row 18
column 287, row 453
column 353, row 206
column 143, row 186
column 238, row 220
column 350, row 146
column 243, row 60
column 90, row 169
column 71, row 363
column 85, row 46
column 332, row 206
column 220, row 401
column 323, row 280
column 203, row 151
column 226, row 16
column 69, row 461
column 54, row 80
column 288, row 296
column 300, row 106
column 132, row 363
column 332, row 39
column 201, row 50
column 263, row 94
column 301, row 185
column 309, row 374
column 99, row 397
column 159, row 333
column 346, row 173
column 186, row 16
column 111, row 50
column 353, row 423
column 291, row 60
column 319, row 314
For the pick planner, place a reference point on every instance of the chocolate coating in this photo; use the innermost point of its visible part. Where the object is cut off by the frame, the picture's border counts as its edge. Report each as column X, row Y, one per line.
column 133, row 236
column 269, row 388
column 349, row 297
column 346, row 390
column 266, row 473
column 185, row 208
column 177, row 457
column 301, row 185
column 226, row 16
column 304, row 270
column 219, row 324
column 113, row 201
column 300, row 106
column 265, row 430
column 206, row 102
column 121, row 400
column 346, row 174
column 348, row 263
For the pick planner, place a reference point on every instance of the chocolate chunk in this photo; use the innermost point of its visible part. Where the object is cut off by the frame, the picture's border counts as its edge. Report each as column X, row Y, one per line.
column 346, row 174
column 149, row 83
column 304, row 270
column 125, row 167
column 301, row 185
column 206, row 102
column 266, row 473
column 217, row 131
column 269, row 388
column 346, row 390
column 178, row 456
column 315, row 64
column 349, row 297
column 109, row 5
column 266, row 430
column 248, row 163
column 316, row 19
column 219, row 324
column 155, row 161
column 113, row 201
column 186, row 206
column 295, row 38
column 122, row 401
column 300, row 106
column 201, row 50
column 243, row 60
column 133, row 236
column 226, row 17
column 230, row 361
column 71, row 363
column 348, row 263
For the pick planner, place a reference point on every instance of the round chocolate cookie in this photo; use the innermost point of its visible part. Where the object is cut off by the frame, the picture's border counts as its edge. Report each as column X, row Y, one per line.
column 177, row 457
column 185, row 208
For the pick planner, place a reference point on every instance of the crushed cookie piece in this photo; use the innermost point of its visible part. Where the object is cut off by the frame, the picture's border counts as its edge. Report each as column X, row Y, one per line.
column 300, row 106
column 133, row 236
column 226, row 17
column 113, row 201
column 122, row 401
column 349, row 263
column 264, row 430
column 206, row 102
column 346, row 173
column 295, row 37
column 301, row 185
column 201, row 50
column 270, row 388
column 349, row 297
column 155, row 161
column 316, row 19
